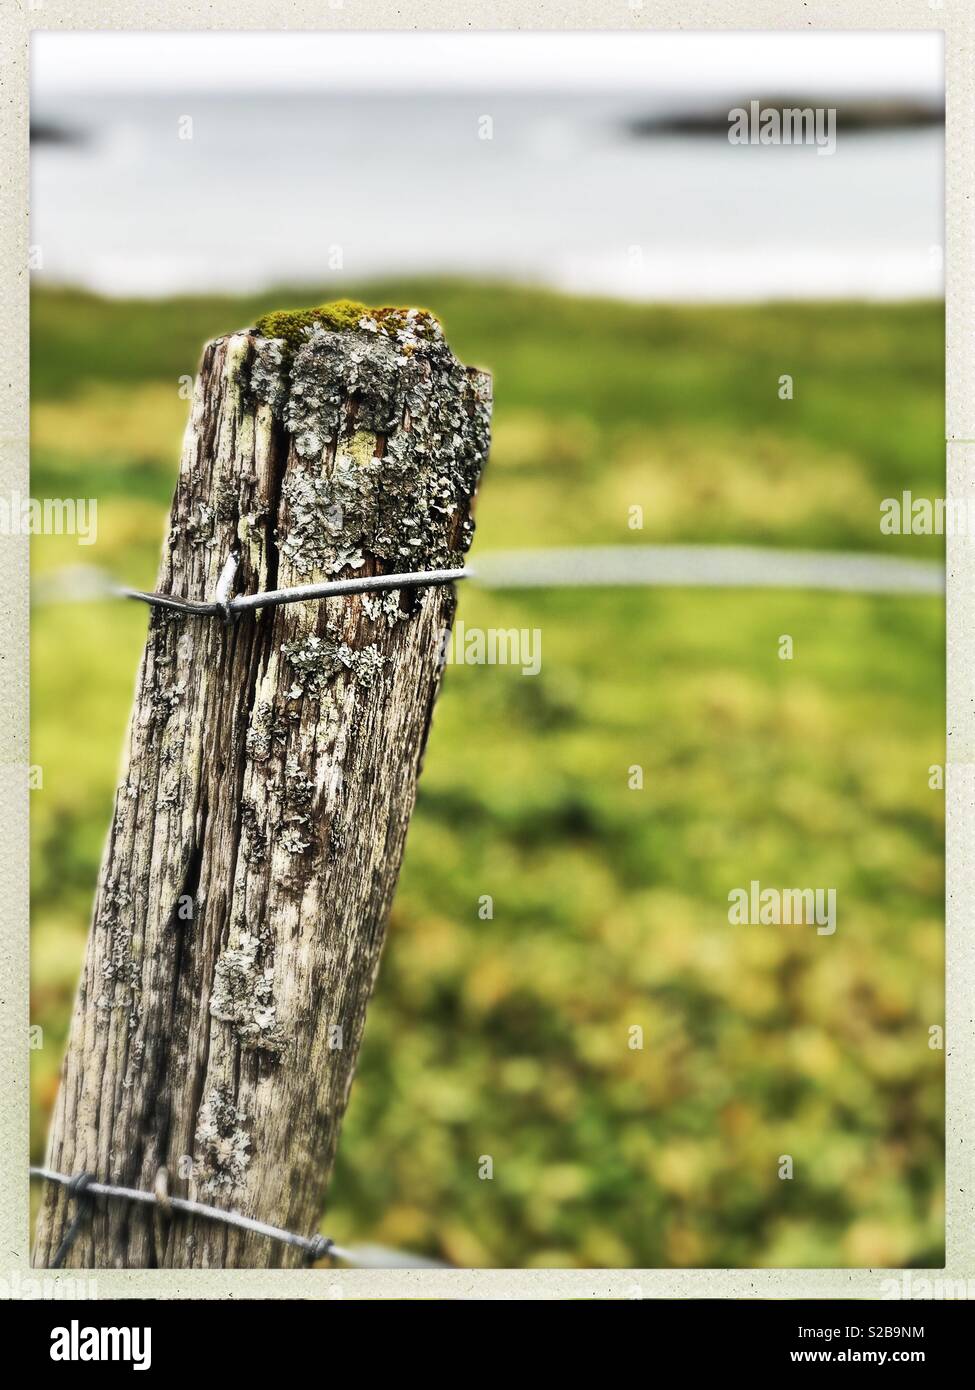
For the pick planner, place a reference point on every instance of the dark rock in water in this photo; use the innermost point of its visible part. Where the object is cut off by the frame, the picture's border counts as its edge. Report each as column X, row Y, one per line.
column 851, row 115
column 50, row 133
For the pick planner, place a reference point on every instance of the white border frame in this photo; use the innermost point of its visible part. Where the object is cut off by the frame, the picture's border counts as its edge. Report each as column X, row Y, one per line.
column 957, row 19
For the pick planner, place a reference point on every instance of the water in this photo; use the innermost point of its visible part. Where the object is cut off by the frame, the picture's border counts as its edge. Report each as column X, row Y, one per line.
column 315, row 190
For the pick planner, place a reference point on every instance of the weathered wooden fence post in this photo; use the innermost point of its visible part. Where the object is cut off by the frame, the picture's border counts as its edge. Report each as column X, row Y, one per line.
column 267, row 785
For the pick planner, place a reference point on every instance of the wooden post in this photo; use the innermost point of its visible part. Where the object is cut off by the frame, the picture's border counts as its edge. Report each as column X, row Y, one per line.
column 267, row 785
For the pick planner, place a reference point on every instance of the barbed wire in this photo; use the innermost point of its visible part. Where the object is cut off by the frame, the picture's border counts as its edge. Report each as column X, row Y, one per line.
column 82, row 1187
column 629, row 566
column 222, row 605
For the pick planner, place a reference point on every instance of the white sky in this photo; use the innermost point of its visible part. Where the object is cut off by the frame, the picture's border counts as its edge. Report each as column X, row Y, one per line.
column 760, row 64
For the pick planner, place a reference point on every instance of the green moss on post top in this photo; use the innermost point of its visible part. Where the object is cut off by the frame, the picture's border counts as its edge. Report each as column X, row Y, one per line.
column 292, row 325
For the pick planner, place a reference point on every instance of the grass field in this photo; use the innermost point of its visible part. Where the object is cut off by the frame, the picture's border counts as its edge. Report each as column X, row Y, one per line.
column 510, row 1037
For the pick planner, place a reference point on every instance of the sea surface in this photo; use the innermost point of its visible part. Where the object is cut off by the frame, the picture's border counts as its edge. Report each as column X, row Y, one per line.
column 167, row 194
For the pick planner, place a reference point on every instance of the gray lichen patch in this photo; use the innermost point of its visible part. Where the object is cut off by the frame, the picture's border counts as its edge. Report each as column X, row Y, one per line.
column 267, row 729
column 402, row 508
column 383, row 608
column 253, row 839
column 299, row 789
column 319, row 512
column 223, row 1143
column 242, row 995
column 269, row 377
column 293, row 840
column 296, row 809
column 331, row 367
column 316, row 661
column 367, row 664
column 166, row 698
column 199, row 525
column 120, row 966
column 387, row 381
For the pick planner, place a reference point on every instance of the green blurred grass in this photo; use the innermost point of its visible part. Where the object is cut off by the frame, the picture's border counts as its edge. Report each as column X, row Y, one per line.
column 509, row 1037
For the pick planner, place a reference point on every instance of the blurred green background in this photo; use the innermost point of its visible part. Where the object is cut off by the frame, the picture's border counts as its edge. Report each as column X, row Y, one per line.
column 509, row 1037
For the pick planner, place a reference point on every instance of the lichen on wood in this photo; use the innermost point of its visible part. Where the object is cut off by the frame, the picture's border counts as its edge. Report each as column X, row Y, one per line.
column 268, row 781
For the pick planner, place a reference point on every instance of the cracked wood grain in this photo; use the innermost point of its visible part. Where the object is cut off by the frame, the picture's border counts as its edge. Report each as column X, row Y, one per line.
column 267, row 784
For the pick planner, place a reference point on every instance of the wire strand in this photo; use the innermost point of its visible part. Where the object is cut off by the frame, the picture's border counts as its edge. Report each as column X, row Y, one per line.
column 315, row 1247
column 299, row 593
